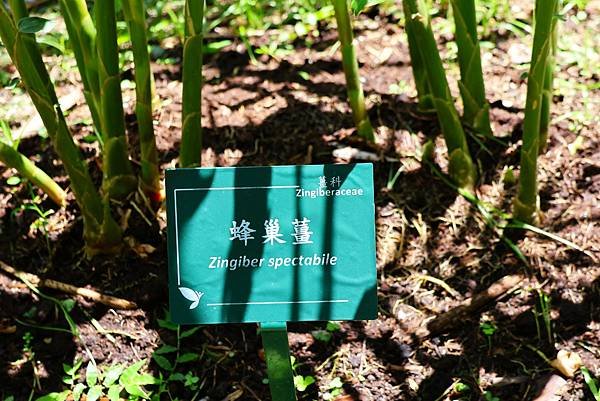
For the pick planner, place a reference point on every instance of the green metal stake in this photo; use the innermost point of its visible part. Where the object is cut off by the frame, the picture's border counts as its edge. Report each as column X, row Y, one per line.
column 279, row 367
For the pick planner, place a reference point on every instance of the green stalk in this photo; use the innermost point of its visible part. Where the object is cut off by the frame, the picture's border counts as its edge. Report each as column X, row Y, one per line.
column 472, row 89
column 101, row 232
column 18, row 9
column 14, row 159
column 417, row 63
column 461, row 166
column 135, row 16
column 82, row 35
column 548, row 86
column 191, row 135
column 118, row 180
column 356, row 96
column 525, row 204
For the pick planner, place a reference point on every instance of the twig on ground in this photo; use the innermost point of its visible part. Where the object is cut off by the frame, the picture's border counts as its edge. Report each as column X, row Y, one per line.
column 113, row 302
column 453, row 317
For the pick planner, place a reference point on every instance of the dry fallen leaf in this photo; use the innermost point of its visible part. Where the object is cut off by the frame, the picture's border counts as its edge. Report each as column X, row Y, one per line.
column 553, row 390
column 567, row 362
column 345, row 397
column 7, row 329
column 142, row 250
column 235, row 395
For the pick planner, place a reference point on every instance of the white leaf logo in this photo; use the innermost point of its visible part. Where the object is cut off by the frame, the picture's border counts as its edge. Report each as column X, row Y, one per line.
column 191, row 295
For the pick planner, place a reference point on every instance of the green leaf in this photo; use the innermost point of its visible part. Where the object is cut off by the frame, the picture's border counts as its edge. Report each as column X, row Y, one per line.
column 91, row 374
column 52, row 41
column 488, row 329
column 144, row 379
column 300, row 29
column 176, row 377
column 332, row 326
column 94, row 393
column 112, row 375
column 215, row 47
column 537, row 230
column 68, row 304
column 490, row 397
column 358, row 6
column 165, row 324
column 335, row 383
column 302, row 383
column 188, row 357
column 189, row 332
column 190, row 379
column 136, row 390
column 131, row 379
column 35, row 24
column 162, row 362
column 14, row 180
column 54, row 396
column 68, row 369
column 71, row 370
column 77, row 391
column 322, row 335
column 130, row 373
column 461, row 387
column 91, row 138
column 591, row 383
column 114, row 393
column 304, row 75
column 165, row 349
column 12, row 84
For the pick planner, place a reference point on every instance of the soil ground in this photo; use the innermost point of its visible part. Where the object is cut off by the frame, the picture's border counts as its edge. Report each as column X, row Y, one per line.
column 434, row 249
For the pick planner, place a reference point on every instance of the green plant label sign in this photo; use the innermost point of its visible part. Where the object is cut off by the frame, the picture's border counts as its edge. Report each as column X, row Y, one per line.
column 266, row 244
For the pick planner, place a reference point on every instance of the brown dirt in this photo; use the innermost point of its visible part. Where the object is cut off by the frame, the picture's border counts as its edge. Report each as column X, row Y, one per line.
column 268, row 114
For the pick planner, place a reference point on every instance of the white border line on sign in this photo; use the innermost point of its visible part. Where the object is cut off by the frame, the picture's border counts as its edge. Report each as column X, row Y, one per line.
column 211, row 189
column 280, row 302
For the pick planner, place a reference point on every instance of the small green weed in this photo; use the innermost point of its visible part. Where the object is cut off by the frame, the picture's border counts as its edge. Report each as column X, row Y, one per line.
column 327, row 334
column 300, row 382
column 488, row 329
column 170, row 357
column 542, row 313
column 29, row 357
column 114, row 381
column 334, row 389
column 488, row 396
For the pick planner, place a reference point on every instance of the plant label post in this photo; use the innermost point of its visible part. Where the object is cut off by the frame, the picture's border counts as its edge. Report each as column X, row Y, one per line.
column 272, row 245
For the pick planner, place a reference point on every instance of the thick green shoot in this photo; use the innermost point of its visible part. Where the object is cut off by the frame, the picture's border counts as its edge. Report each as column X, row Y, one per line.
column 525, row 206
column 472, row 90
column 118, row 179
column 136, row 20
column 190, row 153
column 101, row 232
column 356, row 95
column 461, row 166
column 11, row 157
